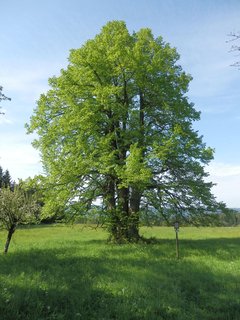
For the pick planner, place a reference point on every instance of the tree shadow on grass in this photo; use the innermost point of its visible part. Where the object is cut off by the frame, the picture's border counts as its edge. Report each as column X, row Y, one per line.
column 226, row 249
column 121, row 282
column 46, row 285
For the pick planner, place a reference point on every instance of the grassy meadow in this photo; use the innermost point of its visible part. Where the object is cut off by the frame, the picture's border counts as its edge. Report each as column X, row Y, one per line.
column 70, row 272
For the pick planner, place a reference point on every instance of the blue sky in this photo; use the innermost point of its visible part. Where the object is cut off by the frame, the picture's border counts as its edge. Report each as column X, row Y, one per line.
column 35, row 40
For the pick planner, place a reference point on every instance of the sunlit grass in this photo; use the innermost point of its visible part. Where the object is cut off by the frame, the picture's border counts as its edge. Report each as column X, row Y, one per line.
column 70, row 272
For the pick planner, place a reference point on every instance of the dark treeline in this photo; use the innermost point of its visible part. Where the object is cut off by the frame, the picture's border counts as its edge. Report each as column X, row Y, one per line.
column 6, row 179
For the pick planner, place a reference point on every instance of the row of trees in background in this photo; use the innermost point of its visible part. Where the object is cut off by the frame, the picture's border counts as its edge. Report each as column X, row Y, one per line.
column 150, row 218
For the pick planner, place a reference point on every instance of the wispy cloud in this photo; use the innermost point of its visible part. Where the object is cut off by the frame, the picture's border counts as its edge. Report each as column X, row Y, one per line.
column 217, row 169
column 4, row 119
column 227, row 179
column 28, row 81
column 19, row 158
column 27, row 85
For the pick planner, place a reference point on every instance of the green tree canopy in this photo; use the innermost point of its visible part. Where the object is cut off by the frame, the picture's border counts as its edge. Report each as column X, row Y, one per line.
column 116, row 125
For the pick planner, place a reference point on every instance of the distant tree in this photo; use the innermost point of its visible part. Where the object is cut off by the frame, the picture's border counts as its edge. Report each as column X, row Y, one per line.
column 16, row 207
column 6, row 180
column 1, row 177
column 117, row 126
column 235, row 38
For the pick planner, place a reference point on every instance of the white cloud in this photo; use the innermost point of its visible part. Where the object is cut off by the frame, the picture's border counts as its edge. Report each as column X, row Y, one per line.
column 218, row 169
column 227, row 179
column 5, row 121
column 29, row 81
column 23, row 84
column 228, row 190
column 20, row 159
column 28, row 85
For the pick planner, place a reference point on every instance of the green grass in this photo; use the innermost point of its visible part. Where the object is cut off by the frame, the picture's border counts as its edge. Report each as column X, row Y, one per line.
column 61, row 272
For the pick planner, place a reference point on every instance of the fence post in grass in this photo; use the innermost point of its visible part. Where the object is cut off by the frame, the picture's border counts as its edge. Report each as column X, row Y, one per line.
column 176, row 227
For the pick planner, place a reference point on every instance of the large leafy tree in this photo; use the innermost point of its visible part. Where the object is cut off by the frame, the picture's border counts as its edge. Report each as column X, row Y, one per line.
column 116, row 125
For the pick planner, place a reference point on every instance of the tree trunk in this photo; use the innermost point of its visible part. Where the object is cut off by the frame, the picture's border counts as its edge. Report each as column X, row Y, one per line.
column 123, row 211
column 134, row 214
column 125, row 219
column 111, row 204
column 9, row 237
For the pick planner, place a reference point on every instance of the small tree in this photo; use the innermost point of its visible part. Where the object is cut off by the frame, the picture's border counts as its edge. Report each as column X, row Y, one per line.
column 16, row 207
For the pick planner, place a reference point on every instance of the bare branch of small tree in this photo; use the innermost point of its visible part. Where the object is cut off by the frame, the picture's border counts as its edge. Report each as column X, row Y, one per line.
column 234, row 37
column 2, row 97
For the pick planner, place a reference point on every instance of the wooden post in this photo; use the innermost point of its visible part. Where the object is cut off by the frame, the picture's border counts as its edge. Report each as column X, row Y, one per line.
column 176, row 227
column 177, row 245
column 9, row 237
